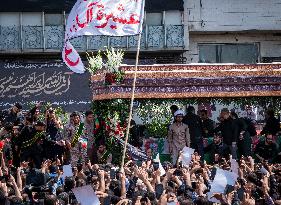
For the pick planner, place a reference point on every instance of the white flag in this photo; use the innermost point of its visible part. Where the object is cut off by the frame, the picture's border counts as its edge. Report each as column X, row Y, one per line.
column 100, row 17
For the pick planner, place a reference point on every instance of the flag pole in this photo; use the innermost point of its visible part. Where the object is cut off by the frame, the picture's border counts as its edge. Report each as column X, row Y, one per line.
column 132, row 100
column 132, row 103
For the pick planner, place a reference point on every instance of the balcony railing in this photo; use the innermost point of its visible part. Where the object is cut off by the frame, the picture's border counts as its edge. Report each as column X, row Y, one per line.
column 50, row 39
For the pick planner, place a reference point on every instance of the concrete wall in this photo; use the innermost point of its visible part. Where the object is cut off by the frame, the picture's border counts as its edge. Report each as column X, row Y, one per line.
column 233, row 15
column 270, row 43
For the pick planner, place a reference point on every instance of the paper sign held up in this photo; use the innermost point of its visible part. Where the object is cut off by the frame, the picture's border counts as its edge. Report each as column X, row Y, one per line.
column 67, row 171
column 86, row 196
column 186, row 155
column 221, row 180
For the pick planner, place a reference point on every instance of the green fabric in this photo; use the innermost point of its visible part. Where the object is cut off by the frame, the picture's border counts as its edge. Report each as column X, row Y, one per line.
column 104, row 157
column 278, row 141
column 207, row 156
column 165, row 158
column 31, row 141
column 77, row 135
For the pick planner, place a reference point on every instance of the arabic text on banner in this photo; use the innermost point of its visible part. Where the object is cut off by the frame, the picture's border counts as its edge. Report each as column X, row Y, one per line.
column 100, row 17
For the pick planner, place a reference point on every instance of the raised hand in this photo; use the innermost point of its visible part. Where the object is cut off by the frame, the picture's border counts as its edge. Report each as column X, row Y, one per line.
column 248, row 200
column 101, row 194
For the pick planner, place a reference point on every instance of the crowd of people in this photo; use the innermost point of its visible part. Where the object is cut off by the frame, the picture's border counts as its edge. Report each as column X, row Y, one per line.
column 232, row 135
column 34, row 152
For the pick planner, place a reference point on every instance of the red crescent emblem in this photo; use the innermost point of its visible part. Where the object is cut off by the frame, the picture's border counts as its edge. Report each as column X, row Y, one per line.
column 69, row 62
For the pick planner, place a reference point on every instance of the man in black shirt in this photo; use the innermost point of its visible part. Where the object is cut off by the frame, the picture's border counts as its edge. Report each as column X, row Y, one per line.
column 11, row 115
column 32, row 148
column 267, row 150
column 195, row 129
column 229, row 130
column 15, row 144
column 244, row 141
column 218, row 149
column 207, row 124
column 272, row 125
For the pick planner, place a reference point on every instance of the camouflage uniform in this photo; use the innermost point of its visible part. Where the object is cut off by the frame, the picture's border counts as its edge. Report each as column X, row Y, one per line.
column 77, row 153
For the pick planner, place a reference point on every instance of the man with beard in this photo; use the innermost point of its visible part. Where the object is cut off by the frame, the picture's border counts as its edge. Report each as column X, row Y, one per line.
column 272, row 125
column 178, row 136
column 195, row 129
column 35, row 112
column 32, row 144
column 89, row 127
column 267, row 150
column 11, row 115
column 217, row 149
column 26, row 130
column 15, row 144
column 207, row 124
column 53, row 124
column 74, row 152
column 52, row 148
column 103, row 156
column 229, row 130
column 244, row 141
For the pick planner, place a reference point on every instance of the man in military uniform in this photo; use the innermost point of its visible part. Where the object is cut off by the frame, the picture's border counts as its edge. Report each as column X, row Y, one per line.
column 74, row 151
column 89, row 126
column 178, row 136
column 103, row 156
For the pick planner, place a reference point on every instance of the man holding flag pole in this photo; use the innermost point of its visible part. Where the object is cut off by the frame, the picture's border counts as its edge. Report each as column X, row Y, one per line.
column 103, row 17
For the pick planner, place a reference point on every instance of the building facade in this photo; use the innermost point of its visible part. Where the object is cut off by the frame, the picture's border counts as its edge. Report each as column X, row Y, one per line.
column 38, row 28
column 31, row 40
column 226, row 31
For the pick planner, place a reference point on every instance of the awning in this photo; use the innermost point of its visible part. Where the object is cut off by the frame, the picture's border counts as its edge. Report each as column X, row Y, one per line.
column 190, row 81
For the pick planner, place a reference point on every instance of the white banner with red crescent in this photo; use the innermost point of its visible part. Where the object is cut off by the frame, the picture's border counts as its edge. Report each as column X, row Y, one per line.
column 100, row 17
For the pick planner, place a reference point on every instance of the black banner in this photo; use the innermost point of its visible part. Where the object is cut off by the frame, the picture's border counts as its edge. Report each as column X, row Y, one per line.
column 49, row 82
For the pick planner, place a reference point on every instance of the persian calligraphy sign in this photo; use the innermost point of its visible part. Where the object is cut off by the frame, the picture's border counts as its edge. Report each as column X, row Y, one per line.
column 100, row 17
column 52, row 82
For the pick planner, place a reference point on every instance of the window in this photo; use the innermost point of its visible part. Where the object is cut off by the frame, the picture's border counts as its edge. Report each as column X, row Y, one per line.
column 228, row 53
column 53, row 19
column 173, row 18
column 32, row 19
column 154, row 19
column 9, row 19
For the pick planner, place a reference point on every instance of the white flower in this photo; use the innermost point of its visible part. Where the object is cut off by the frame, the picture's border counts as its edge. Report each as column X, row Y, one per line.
column 114, row 59
column 95, row 63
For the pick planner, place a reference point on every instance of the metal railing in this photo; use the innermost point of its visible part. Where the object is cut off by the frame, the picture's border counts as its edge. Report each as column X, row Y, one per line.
column 50, row 39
